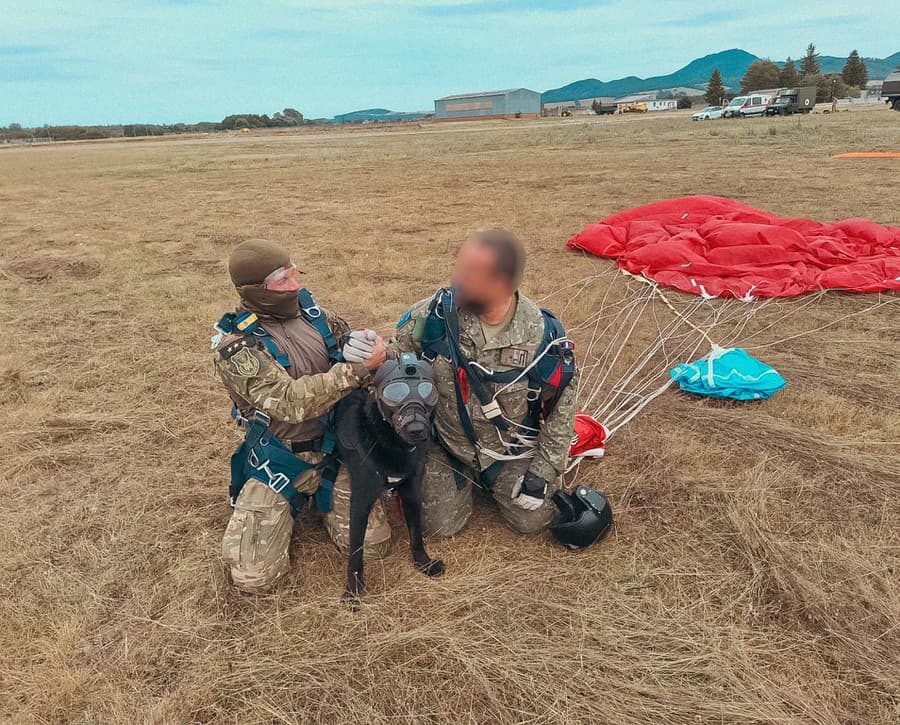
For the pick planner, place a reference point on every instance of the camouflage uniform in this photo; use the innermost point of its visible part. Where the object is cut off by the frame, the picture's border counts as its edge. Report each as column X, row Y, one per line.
column 445, row 506
column 258, row 535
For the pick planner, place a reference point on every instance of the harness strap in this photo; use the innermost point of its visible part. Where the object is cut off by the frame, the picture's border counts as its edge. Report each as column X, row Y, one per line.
column 264, row 458
column 313, row 314
column 487, row 478
column 468, row 377
column 331, row 466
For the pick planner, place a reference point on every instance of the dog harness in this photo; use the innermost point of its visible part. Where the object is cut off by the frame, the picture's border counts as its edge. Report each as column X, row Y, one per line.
column 262, row 456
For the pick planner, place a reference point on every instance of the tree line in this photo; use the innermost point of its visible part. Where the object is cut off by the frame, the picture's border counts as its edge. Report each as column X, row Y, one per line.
column 765, row 74
column 287, row 118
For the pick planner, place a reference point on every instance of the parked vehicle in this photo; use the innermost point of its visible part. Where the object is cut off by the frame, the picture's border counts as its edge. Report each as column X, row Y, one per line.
column 751, row 105
column 792, row 100
column 731, row 109
column 709, row 113
column 633, row 108
column 890, row 90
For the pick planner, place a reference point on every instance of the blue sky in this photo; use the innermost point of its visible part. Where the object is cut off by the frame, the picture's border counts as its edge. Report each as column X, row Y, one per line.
column 162, row 61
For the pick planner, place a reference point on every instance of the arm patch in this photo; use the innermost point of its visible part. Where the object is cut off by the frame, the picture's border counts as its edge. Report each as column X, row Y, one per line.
column 232, row 348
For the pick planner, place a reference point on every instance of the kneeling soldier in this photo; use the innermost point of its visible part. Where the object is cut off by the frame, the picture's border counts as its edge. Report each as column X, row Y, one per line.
column 280, row 357
column 504, row 370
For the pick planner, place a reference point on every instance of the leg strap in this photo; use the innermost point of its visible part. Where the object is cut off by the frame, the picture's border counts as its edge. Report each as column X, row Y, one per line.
column 266, row 459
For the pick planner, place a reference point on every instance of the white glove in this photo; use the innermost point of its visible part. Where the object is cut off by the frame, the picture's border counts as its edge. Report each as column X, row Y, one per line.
column 529, row 491
column 359, row 345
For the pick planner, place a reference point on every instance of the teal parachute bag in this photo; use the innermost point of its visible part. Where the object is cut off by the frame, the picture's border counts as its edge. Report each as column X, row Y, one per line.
column 728, row 373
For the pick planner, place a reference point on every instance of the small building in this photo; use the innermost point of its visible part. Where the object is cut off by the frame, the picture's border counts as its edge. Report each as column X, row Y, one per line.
column 511, row 103
column 662, row 104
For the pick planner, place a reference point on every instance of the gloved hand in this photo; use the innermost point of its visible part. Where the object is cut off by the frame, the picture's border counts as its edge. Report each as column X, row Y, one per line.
column 529, row 492
column 359, row 345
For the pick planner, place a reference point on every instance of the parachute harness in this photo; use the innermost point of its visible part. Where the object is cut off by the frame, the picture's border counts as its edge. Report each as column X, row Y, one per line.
column 551, row 369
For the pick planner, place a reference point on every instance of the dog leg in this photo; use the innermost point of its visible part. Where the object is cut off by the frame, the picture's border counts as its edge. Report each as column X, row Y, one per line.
column 411, row 497
column 360, row 507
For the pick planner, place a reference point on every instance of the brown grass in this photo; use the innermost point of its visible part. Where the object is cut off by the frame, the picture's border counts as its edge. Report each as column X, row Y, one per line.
column 753, row 573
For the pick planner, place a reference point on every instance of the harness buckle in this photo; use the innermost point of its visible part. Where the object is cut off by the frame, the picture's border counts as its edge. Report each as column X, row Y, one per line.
column 492, row 409
column 277, row 481
column 533, row 395
column 313, row 312
column 216, row 339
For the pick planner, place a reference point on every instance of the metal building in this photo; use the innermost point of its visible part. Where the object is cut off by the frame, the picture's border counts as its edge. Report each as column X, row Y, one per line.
column 511, row 103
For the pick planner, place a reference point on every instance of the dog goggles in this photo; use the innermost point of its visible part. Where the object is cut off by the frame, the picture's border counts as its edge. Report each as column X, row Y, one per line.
column 408, row 380
column 400, row 390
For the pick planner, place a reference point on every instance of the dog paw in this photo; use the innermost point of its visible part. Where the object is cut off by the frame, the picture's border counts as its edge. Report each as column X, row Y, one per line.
column 434, row 567
column 351, row 600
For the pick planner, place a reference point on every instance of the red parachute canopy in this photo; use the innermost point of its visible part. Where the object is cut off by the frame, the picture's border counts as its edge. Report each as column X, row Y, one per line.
column 718, row 247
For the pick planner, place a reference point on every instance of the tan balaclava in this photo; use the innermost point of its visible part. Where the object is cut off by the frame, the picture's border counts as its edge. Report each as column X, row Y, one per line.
column 249, row 265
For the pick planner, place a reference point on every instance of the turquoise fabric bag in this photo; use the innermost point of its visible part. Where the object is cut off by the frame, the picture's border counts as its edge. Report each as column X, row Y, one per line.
column 729, row 373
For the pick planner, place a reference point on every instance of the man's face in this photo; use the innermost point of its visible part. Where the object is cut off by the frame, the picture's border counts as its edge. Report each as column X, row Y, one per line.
column 475, row 277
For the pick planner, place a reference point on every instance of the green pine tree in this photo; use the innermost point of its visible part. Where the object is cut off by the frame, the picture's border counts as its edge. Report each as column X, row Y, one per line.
column 850, row 74
column 787, row 76
column 715, row 89
column 809, row 66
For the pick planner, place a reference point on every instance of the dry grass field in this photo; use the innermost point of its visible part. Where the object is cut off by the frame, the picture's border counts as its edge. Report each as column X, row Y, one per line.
column 754, row 572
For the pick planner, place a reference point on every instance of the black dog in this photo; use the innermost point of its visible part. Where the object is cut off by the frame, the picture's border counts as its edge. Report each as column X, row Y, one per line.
column 383, row 437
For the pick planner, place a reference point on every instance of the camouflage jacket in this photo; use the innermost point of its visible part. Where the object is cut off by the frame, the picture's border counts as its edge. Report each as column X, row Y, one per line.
column 513, row 347
column 295, row 398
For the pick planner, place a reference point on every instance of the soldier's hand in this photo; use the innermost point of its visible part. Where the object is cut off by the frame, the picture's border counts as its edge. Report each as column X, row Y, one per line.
column 376, row 359
column 529, row 492
column 359, row 345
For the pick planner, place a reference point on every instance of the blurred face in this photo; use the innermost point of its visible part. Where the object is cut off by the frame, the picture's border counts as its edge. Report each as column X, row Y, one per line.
column 475, row 278
column 284, row 279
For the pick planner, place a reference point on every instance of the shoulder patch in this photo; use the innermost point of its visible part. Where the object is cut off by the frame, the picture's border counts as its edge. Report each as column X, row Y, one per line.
column 226, row 351
column 245, row 362
column 403, row 320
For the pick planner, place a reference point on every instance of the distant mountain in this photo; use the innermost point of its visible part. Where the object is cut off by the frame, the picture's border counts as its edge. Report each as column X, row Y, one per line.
column 731, row 63
column 878, row 67
column 377, row 114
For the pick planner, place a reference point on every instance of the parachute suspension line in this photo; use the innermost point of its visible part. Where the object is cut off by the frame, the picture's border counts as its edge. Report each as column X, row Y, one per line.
column 614, row 389
column 684, row 318
column 631, row 337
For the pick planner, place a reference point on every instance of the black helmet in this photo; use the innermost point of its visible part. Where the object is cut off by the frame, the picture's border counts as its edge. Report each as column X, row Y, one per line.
column 585, row 517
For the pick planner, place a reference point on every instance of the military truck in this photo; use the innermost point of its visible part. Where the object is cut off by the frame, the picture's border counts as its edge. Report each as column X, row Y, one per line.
column 890, row 90
column 792, row 100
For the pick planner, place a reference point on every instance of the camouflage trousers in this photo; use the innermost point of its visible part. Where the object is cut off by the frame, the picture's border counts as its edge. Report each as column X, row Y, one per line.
column 446, row 507
column 257, row 539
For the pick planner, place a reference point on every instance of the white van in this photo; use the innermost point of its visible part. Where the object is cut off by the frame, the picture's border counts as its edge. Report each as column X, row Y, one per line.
column 754, row 104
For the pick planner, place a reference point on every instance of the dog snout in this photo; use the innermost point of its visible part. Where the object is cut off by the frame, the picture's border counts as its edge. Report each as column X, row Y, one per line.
column 415, row 432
